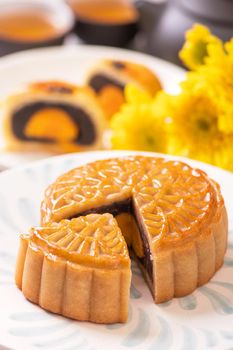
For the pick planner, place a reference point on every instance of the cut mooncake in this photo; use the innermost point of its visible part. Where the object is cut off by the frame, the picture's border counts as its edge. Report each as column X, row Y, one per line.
column 108, row 79
column 179, row 213
column 172, row 217
column 79, row 268
column 53, row 116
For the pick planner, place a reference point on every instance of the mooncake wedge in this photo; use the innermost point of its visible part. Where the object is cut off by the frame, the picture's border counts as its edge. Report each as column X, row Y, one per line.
column 78, row 268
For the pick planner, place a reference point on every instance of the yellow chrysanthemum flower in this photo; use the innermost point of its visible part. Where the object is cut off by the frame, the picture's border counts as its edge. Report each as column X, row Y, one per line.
column 195, row 48
column 229, row 49
column 137, row 126
column 136, row 95
column 215, row 78
column 195, row 133
column 219, row 74
column 197, row 123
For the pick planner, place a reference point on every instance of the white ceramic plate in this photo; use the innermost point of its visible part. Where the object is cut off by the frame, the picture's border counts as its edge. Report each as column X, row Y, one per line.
column 68, row 63
column 202, row 320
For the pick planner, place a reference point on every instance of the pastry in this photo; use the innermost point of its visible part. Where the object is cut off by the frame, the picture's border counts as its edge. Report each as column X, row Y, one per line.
column 172, row 217
column 53, row 116
column 181, row 221
column 79, row 268
column 109, row 77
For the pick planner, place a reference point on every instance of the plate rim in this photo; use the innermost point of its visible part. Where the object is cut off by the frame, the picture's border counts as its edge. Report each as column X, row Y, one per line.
column 66, row 49
column 114, row 154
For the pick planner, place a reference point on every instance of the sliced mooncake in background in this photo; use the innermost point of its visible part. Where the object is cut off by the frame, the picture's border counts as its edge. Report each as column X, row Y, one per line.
column 108, row 79
column 53, row 116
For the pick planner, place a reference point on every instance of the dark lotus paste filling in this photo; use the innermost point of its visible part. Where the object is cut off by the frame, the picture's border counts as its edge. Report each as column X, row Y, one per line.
column 114, row 209
column 146, row 260
column 20, row 118
column 99, row 81
column 126, row 206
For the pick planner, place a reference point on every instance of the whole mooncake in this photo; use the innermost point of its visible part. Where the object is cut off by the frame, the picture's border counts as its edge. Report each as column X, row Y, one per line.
column 172, row 217
column 53, row 116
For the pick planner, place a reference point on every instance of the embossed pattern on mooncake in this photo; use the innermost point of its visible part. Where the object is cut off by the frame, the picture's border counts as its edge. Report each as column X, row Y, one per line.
column 172, row 199
column 78, row 268
column 83, row 238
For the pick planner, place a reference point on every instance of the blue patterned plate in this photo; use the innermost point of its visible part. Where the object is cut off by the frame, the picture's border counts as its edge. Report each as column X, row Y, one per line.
column 202, row 320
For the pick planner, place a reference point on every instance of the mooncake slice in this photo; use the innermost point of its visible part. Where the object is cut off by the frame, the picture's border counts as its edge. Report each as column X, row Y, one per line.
column 53, row 116
column 173, row 217
column 78, row 268
column 108, row 79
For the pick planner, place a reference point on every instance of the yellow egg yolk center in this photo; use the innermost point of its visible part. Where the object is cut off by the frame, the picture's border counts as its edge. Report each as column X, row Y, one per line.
column 52, row 123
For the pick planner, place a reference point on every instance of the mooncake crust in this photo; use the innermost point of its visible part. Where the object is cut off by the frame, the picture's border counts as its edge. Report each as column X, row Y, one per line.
column 78, row 268
column 124, row 72
column 180, row 210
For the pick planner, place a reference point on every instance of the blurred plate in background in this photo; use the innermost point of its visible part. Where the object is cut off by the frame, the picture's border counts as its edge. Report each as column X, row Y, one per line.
column 68, row 63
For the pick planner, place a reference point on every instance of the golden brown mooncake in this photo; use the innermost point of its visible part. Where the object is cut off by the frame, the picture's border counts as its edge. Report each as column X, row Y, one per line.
column 79, row 268
column 172, row 215
column 108, row 79
column 53, row 116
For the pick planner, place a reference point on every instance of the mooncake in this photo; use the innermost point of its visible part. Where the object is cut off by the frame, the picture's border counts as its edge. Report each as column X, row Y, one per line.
column 79, row 268
column 108, row 79
column 53, row 116
column 172, row 217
